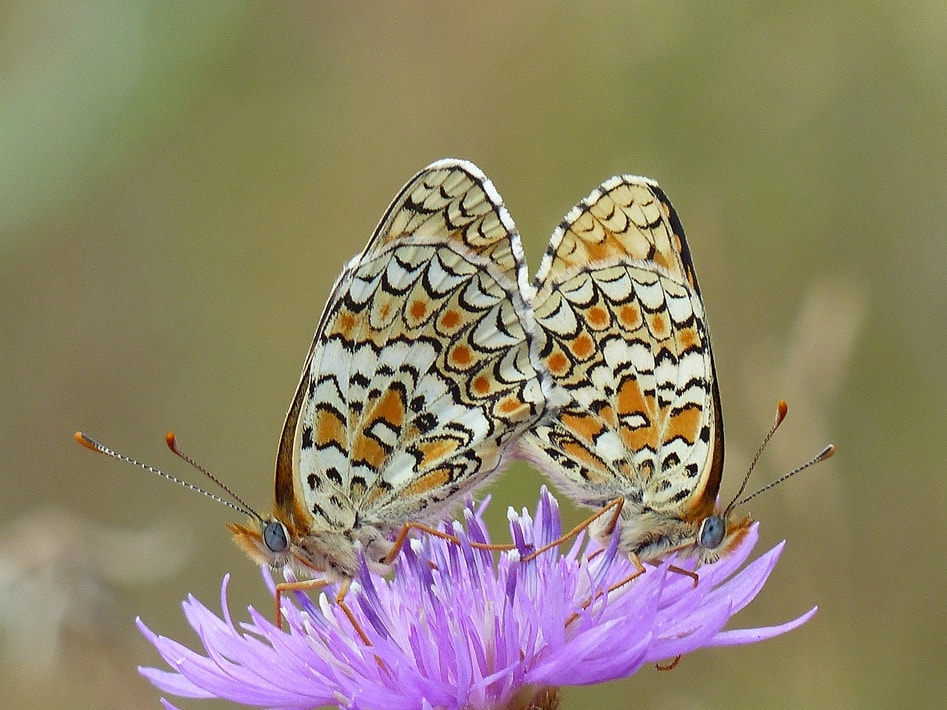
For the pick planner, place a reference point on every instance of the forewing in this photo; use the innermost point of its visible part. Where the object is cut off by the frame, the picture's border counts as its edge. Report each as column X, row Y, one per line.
column 624, row 333
column 420, row 374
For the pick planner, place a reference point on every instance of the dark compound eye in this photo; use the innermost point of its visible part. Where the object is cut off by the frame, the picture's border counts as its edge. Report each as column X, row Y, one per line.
column 275, row 536
column 711, row 532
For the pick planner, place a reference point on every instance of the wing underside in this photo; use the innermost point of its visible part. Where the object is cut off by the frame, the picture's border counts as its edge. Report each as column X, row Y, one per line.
column 420, row 374
column 624, row 332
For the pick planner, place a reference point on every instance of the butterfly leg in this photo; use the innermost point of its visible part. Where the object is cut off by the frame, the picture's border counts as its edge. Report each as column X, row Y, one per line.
column 668, row 666
column 680, row 570
column 687, row 573
column 282, row 588
column 408, row 527
column 615, row 507
column 403, row 537
column 308, row 585
column 639, row 570
column 340, row 600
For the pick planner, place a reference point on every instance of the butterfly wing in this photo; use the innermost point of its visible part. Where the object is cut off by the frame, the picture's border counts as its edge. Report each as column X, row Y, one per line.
column 624, row 333
column 420, row 373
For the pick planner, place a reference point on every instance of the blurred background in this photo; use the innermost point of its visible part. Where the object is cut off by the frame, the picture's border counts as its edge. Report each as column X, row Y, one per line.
column 180, row 184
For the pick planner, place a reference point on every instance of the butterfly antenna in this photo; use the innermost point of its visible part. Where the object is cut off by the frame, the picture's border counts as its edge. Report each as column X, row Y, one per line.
column 98, row 447
column 782, row 409
column 818, row 458
column 172, row 443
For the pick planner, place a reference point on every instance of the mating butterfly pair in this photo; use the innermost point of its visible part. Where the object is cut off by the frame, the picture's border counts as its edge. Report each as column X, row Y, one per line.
column 435, row 361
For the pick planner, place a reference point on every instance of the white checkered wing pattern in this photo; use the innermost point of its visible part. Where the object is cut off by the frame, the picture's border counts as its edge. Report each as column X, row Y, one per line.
column 623, row 331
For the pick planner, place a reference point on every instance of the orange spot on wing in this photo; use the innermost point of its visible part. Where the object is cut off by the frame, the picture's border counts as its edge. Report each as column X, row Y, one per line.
column 598, row 316
column 450, row 320
column 584, row 425
column 328, row 428
column 630, row 317
column 687, row 337
column 345, row 324
column 510, row 405
column 608, row 416
column 576, row 451
column 557, row 363
column 428, row 482
column 418, row 309
column 358, row 489
column 461, row 355
column 658, row 325
column 481, row 385
column 686, row 424
column 602, row 249
column 389, row 408
column 369, row 451
column 582, row 346
column 638, row 439
column 434, row 450
column 632, row 402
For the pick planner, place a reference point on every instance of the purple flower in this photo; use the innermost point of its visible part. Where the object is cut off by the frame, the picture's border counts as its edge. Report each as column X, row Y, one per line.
column 455, row 628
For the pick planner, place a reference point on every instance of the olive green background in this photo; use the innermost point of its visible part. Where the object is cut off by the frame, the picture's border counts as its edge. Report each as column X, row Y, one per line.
column 180, row 183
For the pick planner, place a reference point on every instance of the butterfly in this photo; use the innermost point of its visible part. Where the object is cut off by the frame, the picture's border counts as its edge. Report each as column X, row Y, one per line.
column 419, row 380
column 623, row 331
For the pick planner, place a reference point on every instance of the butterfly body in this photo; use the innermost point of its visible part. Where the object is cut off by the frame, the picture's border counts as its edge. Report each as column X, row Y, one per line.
column 419, row 379
column 623, row 332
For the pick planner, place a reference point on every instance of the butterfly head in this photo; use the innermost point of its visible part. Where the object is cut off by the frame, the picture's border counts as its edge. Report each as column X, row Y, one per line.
column 266, row 542
column 717, row 534
column 651, row 535
column 332, row 554
column 703, row 529
column 270, row 542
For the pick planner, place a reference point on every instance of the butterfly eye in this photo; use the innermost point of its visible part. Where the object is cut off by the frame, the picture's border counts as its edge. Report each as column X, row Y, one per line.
column 711, row 532
column 275, row 536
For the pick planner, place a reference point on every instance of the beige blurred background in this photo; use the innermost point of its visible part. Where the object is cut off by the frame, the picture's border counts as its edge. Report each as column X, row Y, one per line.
column 180, row 184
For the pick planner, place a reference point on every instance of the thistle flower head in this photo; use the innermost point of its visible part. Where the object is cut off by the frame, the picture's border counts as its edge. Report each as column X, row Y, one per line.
column 457, row 628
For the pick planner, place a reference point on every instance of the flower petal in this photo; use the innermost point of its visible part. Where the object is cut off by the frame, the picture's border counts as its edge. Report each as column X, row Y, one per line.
column 455, row 628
